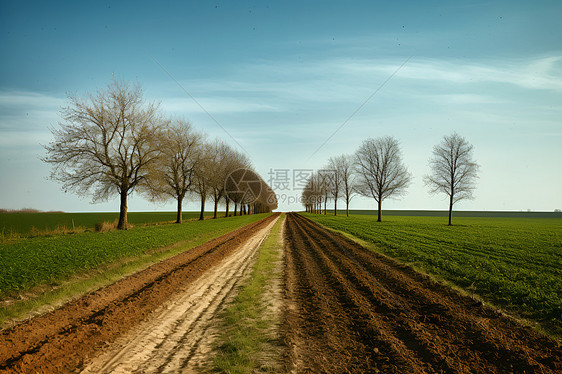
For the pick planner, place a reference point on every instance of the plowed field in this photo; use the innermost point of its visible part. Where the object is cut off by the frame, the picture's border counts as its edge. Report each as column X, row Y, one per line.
column 354, row 311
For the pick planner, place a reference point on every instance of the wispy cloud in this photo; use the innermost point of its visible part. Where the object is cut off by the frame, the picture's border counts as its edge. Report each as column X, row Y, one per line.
column 25, row 118
column 277, row 86
column 25, row 99
column 543, row 73
column 464, row 99
column 217, row 105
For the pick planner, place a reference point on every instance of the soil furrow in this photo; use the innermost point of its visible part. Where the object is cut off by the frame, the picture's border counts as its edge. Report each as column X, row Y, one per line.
column 442, row 311
column 363, row 291
column 441, row 330
column 344, row 325
column 439, row 305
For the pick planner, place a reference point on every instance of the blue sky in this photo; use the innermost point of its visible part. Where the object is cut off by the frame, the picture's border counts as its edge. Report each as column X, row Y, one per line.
column 281, row 77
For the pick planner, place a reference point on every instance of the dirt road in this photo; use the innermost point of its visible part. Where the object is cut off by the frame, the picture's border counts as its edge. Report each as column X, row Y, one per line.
column 178, row 335
column 353, row 311
column 171, row 300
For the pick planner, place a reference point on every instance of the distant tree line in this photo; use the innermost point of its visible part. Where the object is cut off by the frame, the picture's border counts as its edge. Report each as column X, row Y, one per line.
column 376, row 171
column 114, row 142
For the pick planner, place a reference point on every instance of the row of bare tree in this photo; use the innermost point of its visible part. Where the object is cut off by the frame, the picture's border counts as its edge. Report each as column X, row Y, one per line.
column 376, row 171
column 114, row 142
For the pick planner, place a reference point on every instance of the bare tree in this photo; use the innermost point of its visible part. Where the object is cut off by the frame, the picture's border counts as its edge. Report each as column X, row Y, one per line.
column 243, row 187
column 203, row 175
column 106, row 143
column 174, row 175
column 235, row 171
column 343, row 165
column 221, row 163
column 318, row 192
column 307, row 197
column 380, row 171
column 453, row 171
column 333, row 182
column 267, row 200
column 325, row 177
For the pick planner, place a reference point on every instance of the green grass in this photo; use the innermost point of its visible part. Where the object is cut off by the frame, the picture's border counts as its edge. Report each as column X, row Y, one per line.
column 49, row 260
column 245, row 328
column 460, row 213
column 513, row 263
column 28, row 224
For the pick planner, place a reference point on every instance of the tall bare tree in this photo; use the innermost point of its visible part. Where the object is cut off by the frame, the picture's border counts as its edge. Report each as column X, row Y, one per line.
column 333, row 182
column 453, row 170
column 343, row 165
column 203, row 176
column 267, row 200
column 317, row 187
column 174, row 175
column 106, row 143
column 236, row 170
column 380, row 171
column 221, row 159
column 325, row 177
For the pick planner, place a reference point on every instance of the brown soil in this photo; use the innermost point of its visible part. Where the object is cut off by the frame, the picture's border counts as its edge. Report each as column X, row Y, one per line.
column 179, row 334
column 350, row 310
column 63, row 340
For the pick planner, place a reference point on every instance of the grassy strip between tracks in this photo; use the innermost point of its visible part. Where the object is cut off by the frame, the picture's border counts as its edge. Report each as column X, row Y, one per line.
column 512, row 263
column 40, row 273
column 246, row 325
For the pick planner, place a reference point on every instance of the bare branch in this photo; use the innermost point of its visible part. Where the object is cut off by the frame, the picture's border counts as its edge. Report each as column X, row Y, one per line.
column 453, row 170
column 380, row 171
column 105, row 143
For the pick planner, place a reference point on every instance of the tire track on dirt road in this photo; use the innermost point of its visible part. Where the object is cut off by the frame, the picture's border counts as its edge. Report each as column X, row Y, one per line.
column 61, row 341
column 352, row 310
column 176, row 338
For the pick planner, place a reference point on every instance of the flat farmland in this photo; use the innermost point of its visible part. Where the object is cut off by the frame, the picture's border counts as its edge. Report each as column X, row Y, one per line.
column 512, row 263
column 25, row 224
column 336, row 307
column 43, row 260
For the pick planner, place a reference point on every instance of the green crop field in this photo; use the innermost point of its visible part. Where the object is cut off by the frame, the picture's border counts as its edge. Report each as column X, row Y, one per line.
column 462, row 213
column 514, row 263
column 49, row 259
column 25, row 224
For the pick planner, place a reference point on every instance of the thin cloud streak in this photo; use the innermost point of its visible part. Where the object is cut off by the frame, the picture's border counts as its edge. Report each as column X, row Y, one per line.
column 268, row 86
column 543, row 73
column 217, row 105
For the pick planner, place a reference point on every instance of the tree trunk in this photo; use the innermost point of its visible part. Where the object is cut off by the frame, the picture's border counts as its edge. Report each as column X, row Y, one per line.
column 179, row 214
column 202, row 214
column 215, row 211
column 347, row 208
column 235, row 208
column 335, row 206
column 325, row 206
column 122, row 224
column 227, row 206
column 380, row 211
column 451, row 210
